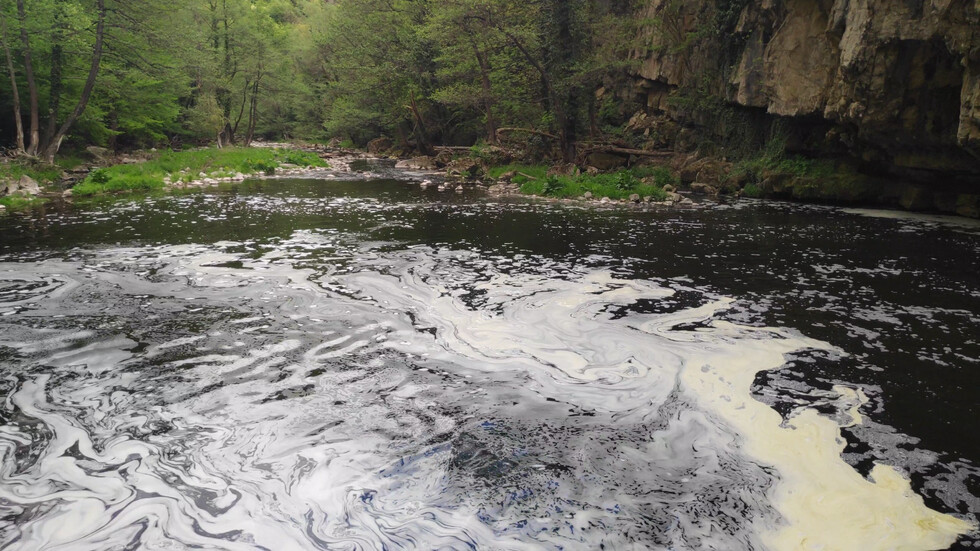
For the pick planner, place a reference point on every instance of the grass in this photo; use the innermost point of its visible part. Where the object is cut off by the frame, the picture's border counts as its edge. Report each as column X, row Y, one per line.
column 187, row 166
column 19, row 202
column 753, row 170
column 42, row 173
column 644, row 181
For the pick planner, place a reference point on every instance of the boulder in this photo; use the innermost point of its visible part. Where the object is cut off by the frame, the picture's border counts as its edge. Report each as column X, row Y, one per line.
column 704, row 189
column 25, row 186
column 444, row 158
column 670, row 188
column 588, row 196
column 916, row 198
column 507, row 176
column 98, row 153
column 467, row 168
column 379, row 145
column 564, row 170
column 606, row 161
column 635, row 198
column 968, row 205
column 418, row 163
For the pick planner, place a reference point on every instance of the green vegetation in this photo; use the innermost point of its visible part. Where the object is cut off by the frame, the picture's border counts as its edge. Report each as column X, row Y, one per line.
column 18, row 202
column 186, row 166
column 534, row 180
column 40, row 172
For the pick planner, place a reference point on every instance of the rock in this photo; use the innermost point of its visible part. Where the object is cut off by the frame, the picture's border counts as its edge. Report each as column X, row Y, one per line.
column 25, row 186
column 444, row 158
column 98, row 153
column 564, row 170
column 648, row 199
column 418, row 163
column 460, row 189
column 3, row 209
column 674, row 197
column 704, row 189
column 592, row 171
column 605, row 200
column 968, row 205
column 916, row 198
column 606, row 161
column 467, row 168
column 508, row 176
column 588, row 196
column 67, row 193
column 379, row 145
column 669, row 188
column 634, row 198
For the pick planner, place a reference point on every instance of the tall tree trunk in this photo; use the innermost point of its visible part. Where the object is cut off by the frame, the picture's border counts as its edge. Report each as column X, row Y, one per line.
column 487, row 93
column 35, row 132
column 93, row 73
column 253, row 112
column 563, row 55
column 54, row 99
column 565, row 139
column 421, row 133
column 241, row 111
column 18, row 121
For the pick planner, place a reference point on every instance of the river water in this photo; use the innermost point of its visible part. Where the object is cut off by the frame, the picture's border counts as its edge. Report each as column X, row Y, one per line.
column 352, row 362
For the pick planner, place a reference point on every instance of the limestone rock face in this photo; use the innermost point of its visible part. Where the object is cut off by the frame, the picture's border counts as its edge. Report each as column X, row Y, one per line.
column 897, row 83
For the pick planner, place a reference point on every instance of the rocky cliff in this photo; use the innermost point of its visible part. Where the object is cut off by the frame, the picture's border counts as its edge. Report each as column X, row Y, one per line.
column 893, row 85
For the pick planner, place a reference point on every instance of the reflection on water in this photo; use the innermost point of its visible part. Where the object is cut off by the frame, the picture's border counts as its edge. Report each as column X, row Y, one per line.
column 310, row 365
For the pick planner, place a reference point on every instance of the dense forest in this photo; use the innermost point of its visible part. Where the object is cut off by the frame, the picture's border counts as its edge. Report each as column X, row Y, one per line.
column 806, row 99
column 144, row 73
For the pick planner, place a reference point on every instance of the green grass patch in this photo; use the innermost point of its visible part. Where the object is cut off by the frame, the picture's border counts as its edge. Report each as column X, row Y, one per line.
column 617, row 185
column 187, row 166
column 753, row 170
column 19, row 202
column 753, row 191
column 523, row 171
column 40, row 172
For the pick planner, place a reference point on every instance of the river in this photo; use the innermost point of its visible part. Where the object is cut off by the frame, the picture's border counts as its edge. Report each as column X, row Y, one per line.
column 352, row 362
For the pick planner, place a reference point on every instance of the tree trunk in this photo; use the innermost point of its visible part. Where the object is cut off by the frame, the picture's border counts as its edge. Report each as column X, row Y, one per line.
column 35, row 132
column 253, row 112
column 487, row 93
column 565, row 139
column 18, row 121
column 93, row 73
column 54, row 99
column 424, row 147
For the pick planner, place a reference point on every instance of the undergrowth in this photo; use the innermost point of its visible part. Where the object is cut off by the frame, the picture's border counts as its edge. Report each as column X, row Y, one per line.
column 187, row 166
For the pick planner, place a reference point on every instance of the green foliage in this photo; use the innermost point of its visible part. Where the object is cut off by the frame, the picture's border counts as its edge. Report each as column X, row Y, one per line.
column 18, row 202
column 618, row 185
column 189, row 165
column 41, row 172
column 753, row 191
column 662, row 176
column 626, row 181
column 536, row 172
column 553, row 185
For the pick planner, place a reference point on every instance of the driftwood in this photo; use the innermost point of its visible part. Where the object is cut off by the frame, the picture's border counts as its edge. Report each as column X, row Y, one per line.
column 628, row 151
column 528, row 176
column 506, row 130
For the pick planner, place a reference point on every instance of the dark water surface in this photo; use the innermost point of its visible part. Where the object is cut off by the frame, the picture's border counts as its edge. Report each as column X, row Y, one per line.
column 328, row 364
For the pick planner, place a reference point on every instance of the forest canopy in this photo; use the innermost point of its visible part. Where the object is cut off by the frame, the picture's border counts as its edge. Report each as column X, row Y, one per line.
column 147, row 73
